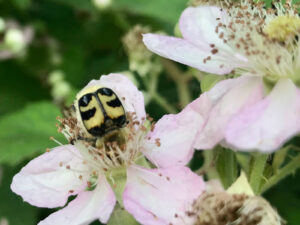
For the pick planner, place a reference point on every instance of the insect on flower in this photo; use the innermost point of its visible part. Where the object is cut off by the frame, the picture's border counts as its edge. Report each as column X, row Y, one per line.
column 100, row 113
column 105, row 163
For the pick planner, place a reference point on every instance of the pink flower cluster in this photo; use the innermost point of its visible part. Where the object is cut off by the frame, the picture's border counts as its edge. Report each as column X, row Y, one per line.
column 242, row 114
column 237, row 112
column 153, row 196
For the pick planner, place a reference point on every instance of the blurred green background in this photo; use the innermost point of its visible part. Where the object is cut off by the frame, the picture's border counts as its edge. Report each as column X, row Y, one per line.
column 67, row 43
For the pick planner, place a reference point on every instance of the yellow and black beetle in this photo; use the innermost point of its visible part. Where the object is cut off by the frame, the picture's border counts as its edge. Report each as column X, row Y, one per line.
column 99, row 110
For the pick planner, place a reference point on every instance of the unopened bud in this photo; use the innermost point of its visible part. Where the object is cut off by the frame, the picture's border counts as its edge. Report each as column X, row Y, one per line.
column 141, row 59
column 56, row 77
column 14, row 40
column 4, row 221
column 61, row 90
column 102, row 4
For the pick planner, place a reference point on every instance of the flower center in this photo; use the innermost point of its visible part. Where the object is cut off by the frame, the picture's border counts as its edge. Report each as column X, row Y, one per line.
column 264, row 42
column 114, row 151
column 225, row 208
column 283, row 28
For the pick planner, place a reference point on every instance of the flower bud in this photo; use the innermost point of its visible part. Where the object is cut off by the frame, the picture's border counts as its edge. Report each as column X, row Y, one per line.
column 14, row 40
column 4, row 221
column 102, row 4
column 141, row 60
column 60, row 88
column 56, row 77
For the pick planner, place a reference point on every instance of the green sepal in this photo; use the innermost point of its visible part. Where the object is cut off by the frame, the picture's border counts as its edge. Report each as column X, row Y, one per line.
column 268, row 85
column 120, row 216
column 256, row 172
column 243, row 160
column 142, row 161
column 117, row 179
column 279, row 158
column 226, row 166
column 209, row 80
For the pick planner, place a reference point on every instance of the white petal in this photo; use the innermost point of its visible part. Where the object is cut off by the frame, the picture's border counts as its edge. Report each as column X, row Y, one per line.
column 266, row 125
column 198, row 26
column 176, row 134
column 46, row 182
column 187, row 53
column 131, row 98
column 228, row 98
column 87, row 207
column 161, row 196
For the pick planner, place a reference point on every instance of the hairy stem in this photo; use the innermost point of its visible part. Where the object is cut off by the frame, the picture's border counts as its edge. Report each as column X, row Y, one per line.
column 282, row 173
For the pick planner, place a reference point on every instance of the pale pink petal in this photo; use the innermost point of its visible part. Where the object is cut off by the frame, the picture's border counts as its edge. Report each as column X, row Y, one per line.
column 239, row 93
column 46, row 181
column 87, row 207
column 131, row 98
column 198, row 26
column 176, row 134
column 161, row 196
column 266, row 125
column 187, row 53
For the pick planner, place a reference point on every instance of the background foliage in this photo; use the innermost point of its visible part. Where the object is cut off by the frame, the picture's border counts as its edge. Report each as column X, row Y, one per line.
column 81, row 41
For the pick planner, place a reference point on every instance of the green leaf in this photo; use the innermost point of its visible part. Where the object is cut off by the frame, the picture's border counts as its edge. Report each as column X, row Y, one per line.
column 12, row 208
column 26, row 132
column 165, row 10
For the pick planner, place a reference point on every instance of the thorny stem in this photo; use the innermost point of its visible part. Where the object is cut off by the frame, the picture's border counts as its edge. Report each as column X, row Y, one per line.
column 257, row 171
column 181, row 79
column 282, row 173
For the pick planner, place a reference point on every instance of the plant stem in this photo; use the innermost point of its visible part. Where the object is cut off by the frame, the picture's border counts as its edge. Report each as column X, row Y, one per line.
column 257, row 171
column 181, row 79
column 282, row 173
column 163, row 103
column 151, row 85
column 209, row 167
